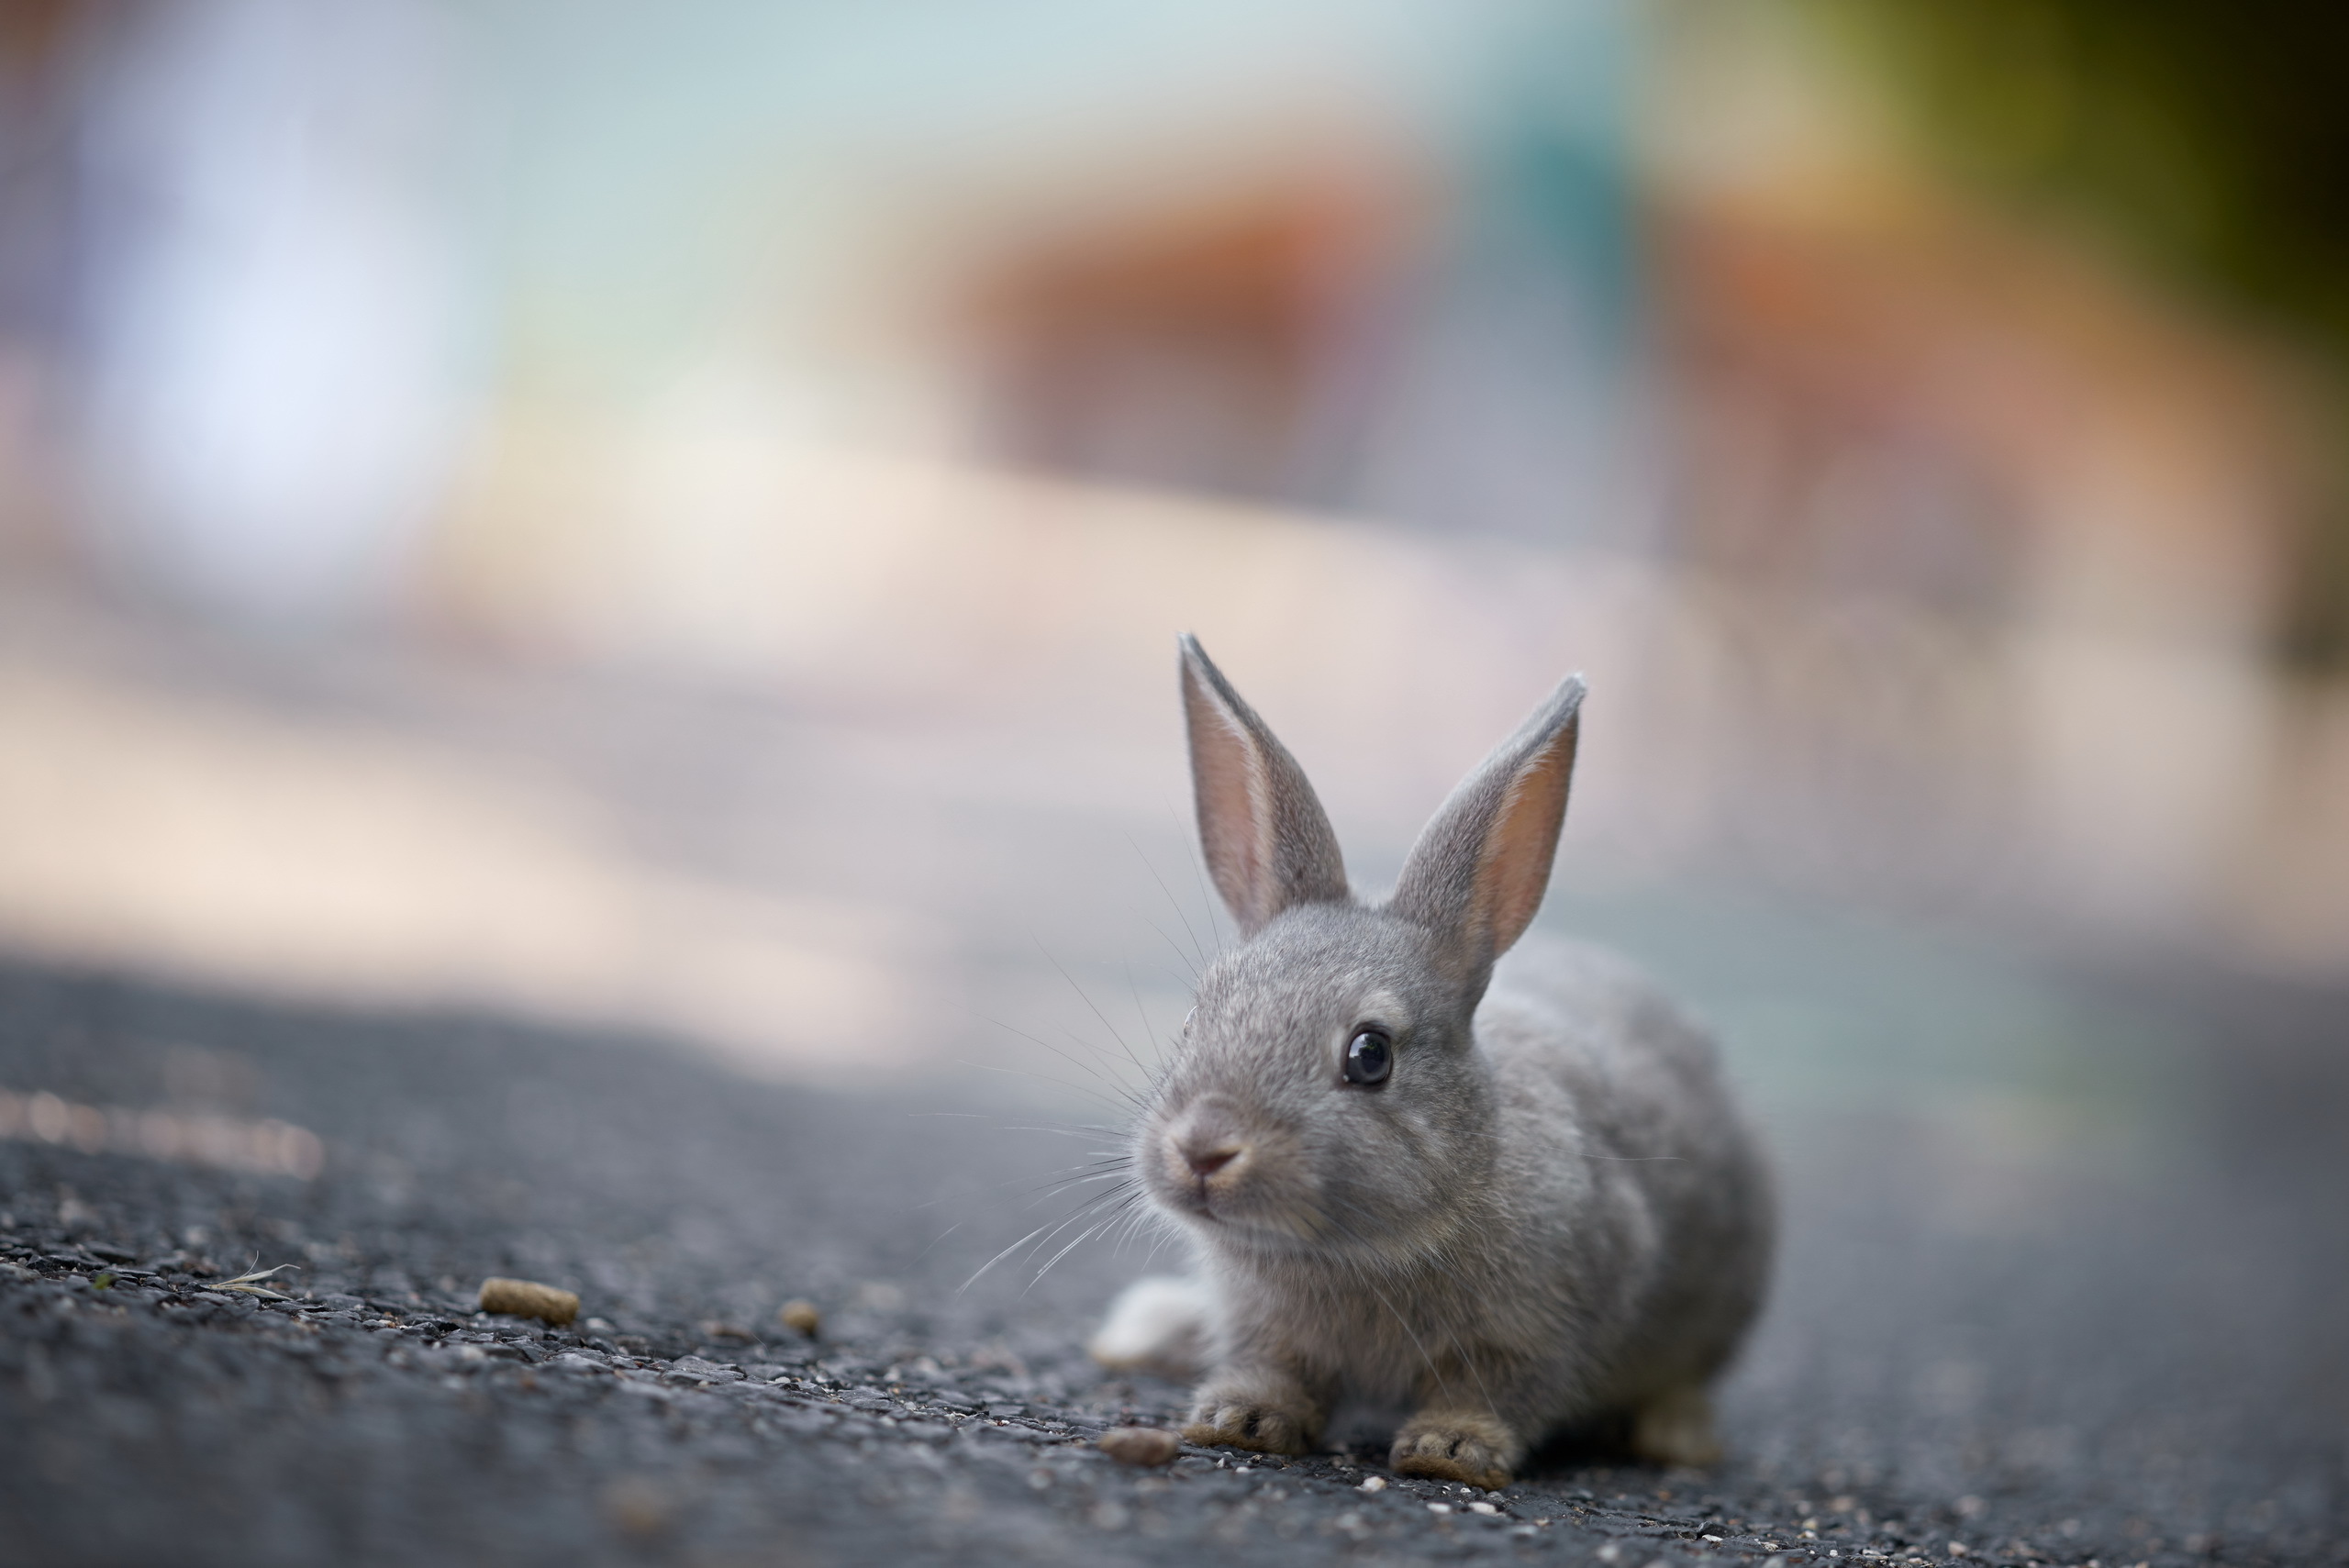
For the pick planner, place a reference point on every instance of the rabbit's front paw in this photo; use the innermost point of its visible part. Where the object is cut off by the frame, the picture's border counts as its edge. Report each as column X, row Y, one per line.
column 1266, row 1420
column 1456, row 1446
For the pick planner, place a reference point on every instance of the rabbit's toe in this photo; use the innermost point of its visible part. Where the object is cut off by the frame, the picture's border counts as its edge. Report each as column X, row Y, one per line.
column 1456, row 1446
column 1238, row 1419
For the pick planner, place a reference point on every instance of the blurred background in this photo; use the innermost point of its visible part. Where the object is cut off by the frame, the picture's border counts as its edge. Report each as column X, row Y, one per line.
column 679, row 517
column 675, row 520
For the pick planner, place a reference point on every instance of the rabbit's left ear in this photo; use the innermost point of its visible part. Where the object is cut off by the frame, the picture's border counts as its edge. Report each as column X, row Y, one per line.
column 1477, row 873
column 1268, row 842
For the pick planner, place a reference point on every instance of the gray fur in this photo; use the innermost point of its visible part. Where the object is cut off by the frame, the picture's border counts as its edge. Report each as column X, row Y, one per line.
column 1550, row 1212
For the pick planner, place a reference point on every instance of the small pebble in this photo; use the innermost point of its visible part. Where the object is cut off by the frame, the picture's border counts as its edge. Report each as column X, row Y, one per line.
column 528, row 1298
column 1439, row 1508
column 1374, row 1484
column 802, row 1317
column 1488, row 1509
column 1140, row 1445
column 696, row 1369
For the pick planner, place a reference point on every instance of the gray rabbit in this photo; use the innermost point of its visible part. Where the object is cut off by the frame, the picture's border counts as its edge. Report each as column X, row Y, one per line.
column 1513, row 1210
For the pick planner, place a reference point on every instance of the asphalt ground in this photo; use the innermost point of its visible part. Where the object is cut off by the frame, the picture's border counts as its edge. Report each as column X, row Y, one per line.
column 1998, row 1334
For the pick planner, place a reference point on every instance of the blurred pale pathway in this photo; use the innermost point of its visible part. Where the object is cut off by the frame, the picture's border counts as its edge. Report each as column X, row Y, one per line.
column 820, row 794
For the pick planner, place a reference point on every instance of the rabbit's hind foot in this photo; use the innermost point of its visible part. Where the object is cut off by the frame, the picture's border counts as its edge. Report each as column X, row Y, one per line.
column 1270, row 1416
column 1454, row 1445
column 1676, row 1429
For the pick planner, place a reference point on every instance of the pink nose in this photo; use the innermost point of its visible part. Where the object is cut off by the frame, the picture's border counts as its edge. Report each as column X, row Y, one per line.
column 1207, row 1140
column 1205, row 1162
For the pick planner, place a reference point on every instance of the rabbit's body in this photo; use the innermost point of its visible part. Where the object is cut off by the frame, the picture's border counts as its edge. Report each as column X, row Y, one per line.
column 1603, row 1253
column 1636, row 1180
column 1514, row 1208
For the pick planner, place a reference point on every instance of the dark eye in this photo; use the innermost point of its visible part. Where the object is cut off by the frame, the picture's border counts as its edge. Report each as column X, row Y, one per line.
column 1369, row 1057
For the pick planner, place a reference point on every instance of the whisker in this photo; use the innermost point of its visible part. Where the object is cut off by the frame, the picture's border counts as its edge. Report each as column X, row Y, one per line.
column 1097, row 1013
column 1038, row 1077
column 937, row 1239
column 1449, row 1332
column 999, row 1257
column 1044, row 1231
column 1198, row 870
column 1148, row 1217
column 1082, row 1211
column 1432, row 1369
column 1166, row 1232
column 1069, row 1184
column 1158, row 1057
column 1103, row 1158
column 1170, row 943
column 1176, row 906
column 1046, row 1078
column 1083, row 1235
column 1123, row 1092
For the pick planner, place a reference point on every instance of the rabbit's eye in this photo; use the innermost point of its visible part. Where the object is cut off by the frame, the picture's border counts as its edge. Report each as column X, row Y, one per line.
column 1369, row 1057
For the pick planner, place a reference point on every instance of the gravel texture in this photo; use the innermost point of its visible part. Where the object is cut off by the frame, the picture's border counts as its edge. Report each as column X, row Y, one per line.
column 1991, row 1341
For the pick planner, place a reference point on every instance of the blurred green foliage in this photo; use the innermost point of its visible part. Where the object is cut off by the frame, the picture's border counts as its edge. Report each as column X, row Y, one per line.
column 2212, row 141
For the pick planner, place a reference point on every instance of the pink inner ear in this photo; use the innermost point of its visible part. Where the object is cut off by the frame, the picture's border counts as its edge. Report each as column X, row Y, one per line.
column 1235, row 811
column 1513, row 871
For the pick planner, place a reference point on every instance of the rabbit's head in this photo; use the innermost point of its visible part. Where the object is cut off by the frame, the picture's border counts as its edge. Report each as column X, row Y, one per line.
column 1326, row 1095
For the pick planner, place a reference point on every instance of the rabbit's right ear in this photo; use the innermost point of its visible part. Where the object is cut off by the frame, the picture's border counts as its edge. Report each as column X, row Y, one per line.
column 1478, row 872
column 1267, row 841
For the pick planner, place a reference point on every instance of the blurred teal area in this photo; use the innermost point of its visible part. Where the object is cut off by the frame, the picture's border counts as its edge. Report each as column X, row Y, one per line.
column 672, row 162
column 1824, row 1010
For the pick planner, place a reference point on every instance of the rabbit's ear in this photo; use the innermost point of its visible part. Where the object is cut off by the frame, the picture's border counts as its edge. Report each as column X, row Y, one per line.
column 1481, row 865
column 1268, row 843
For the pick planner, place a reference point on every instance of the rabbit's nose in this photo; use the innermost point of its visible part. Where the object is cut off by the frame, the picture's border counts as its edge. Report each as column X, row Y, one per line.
column 1206, row 1145
column 1207, row 1162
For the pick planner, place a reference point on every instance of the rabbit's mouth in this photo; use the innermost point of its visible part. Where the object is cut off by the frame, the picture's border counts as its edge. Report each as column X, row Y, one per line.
column 1254, row 1208
column 1219, row 1195
column 1282, row 1230
column 1214, row 1165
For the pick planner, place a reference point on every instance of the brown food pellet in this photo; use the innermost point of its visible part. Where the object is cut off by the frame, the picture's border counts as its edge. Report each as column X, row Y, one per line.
column 528, row 1298
column 1140, row 1445
column 802, row 1316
